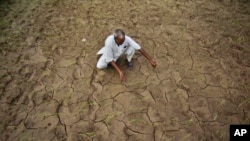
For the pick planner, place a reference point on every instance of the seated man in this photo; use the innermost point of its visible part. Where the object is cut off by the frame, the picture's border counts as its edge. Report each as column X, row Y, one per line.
column 116, row 45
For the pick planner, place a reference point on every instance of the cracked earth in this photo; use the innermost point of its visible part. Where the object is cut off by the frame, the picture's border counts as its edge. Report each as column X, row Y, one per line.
column 51, row 90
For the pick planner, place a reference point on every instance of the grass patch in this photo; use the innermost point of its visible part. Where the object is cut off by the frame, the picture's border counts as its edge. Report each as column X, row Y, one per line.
column 136, row 120
column 25, row 137
column 45, row 115
column 84, row 106
column 2, row 86
column 90, row 134
column 111, row 116
column 221, row 135
column 245, row 102
column 188, row 122
column 186, row 137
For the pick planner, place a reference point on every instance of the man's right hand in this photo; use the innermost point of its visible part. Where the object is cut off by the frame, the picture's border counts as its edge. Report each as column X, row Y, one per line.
column 122, row 77
column 153, row 64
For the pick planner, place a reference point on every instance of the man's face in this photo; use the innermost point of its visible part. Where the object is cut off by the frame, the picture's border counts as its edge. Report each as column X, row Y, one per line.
column 119, row 40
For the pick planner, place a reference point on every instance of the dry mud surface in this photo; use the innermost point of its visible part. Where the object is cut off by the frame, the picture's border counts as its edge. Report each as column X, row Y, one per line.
column 50, row 88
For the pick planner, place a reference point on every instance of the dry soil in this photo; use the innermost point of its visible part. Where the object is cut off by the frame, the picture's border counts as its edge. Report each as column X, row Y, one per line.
column 50, row 88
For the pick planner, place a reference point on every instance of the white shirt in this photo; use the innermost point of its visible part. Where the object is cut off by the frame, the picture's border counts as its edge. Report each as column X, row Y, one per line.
column 112, row 51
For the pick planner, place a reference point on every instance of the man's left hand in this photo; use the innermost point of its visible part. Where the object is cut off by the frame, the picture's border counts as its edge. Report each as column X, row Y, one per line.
column 153, row 64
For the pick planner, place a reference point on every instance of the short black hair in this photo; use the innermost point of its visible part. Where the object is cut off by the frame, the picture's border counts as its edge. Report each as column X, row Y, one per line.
column 119, row 32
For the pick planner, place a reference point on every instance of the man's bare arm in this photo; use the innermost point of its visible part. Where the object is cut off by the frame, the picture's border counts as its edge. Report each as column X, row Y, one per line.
column 118, row 70
column 145, row 54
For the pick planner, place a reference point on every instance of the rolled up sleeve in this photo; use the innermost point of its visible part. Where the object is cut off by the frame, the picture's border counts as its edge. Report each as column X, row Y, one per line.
column 132, row 43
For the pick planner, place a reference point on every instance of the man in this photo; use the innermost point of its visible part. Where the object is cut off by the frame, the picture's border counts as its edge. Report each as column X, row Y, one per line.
column 116, row 45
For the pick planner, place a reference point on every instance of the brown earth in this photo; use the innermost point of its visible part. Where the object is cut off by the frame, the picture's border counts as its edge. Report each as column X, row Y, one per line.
column 50, row 88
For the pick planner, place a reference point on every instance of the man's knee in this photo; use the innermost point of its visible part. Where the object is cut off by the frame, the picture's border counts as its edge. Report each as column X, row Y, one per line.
column 100, row 66
column 130, row 51
column 100, row 62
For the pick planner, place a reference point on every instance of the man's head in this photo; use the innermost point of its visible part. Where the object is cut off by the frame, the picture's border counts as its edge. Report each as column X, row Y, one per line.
column 119, row 36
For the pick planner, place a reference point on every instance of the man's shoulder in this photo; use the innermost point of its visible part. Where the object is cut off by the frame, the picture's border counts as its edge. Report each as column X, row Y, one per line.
column 128, row 38
column 110, row 38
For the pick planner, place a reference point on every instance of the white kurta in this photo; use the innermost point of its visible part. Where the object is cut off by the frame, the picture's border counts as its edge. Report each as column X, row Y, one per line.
column 111, row 51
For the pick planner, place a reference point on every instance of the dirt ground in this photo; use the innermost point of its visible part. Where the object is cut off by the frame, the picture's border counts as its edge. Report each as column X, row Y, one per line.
column 50, row 88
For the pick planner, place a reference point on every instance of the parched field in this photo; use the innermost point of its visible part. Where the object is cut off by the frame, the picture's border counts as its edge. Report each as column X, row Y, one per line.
column 50, row 89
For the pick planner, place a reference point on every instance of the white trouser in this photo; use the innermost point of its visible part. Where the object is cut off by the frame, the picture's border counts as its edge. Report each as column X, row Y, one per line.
column 102, row 61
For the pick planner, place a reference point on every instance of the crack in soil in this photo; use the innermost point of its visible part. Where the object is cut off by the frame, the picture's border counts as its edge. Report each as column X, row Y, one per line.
column 52, row 62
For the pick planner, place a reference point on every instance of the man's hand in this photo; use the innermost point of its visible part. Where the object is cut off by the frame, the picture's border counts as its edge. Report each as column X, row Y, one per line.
column 145, row 54
column 153, row 64
column 122, row 77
